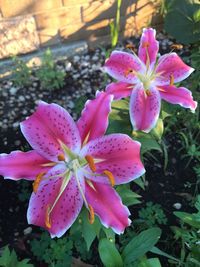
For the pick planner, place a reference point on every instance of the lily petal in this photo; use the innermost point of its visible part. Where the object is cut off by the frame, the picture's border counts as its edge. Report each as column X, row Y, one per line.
column 181, row 96
column 94, row 117
column 120, row 63
column 65, row 210
column 118, row 154
column 144, row 109
column 108, row 206
column 171, row 66
column 49, row 125
column 149, row 46
column 22, row 165
column 119, row 90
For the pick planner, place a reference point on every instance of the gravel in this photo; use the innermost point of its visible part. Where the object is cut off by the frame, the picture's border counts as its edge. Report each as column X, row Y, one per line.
column 83, row 78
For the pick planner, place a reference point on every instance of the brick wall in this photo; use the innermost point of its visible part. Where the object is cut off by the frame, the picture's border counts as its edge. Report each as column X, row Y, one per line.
column 27, row 25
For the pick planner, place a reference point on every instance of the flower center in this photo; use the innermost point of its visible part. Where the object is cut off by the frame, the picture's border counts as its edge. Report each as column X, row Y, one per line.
column 146, row 78
column 73, row 164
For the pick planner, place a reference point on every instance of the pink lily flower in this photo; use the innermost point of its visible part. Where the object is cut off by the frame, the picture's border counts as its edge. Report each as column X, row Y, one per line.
column 73, row 163
column 147, row 80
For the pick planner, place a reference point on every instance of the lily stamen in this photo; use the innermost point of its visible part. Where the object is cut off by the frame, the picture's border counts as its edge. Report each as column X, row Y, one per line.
column 37, row 181
column 171, row 79
column 148, row 92
column 91, row 214
column 47, row 217
column 110, row 176
column 91, row 163
column 61, row 157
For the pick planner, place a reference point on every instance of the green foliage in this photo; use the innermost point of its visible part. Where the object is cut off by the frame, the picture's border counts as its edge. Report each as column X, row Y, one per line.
column 127, row 195
column 140, row 245
column 55, row 252
column 9, row 259
column 21, row 73
column 189, row 235
column 183, row 14
column 109, row 254
column 153, row 215
column 79, row 104
column 115, row 26
column 49, row 75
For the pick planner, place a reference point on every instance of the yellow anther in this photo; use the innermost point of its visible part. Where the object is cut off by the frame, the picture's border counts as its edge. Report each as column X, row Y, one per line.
column 171, row 79
column 91, row 163
column 47, row 217
column 61, row 157
column 91, row 214
column 110, row 177
column 127, row 72
column 37, row 181
column 148, row 92
column 145, row 45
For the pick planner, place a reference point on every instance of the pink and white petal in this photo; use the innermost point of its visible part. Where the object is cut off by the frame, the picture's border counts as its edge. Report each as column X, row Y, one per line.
column 117, row 153
column 181, row 96
column 119, row 64
column 148, row 45
column 65, row 211
column 48, row 125
column 22, row 165
column 171, row 65
column 108, row 206
column 94, row 117
column 144, row 109
column 119, row 90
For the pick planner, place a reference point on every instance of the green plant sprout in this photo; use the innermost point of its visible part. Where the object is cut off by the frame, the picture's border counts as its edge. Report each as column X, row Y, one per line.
column 48, row 74
column 21, row 73
column 152, row 215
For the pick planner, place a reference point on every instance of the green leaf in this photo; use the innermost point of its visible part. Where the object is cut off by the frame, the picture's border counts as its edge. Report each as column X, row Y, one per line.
column 158, row 130
column 128, row 196
column 9, row 259
column 140, row 245
column 119, row 120
column 153, row 262
column 162, row 253
column 183, row 14
column 191, row 219
column 109, row 254
column 90, row 231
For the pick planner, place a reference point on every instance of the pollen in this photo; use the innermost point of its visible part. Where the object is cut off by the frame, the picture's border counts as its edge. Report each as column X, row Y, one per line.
column 91, row 214
column 110, row 177
column 145, row 45
column 37, row 181
column 148, row 93
column 91, row 163
column 171, row 79
column 61, row 157
column 127, row 72
column 47, row 217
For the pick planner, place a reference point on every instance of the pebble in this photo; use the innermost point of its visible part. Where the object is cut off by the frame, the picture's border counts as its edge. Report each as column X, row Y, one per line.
column 177, row 205
column 27, row 231
column 13, row 90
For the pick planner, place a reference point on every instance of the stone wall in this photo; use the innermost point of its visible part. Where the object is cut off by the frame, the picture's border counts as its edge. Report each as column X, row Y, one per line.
column 27, row 25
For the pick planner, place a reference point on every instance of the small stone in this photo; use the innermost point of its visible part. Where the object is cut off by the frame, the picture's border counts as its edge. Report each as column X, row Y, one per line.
column 21, row 98
column 68, row 66
column 17, row 142
column 71, row 104
column 13, row 90
column 177, row 205
column 27, row 231
column 15, row 124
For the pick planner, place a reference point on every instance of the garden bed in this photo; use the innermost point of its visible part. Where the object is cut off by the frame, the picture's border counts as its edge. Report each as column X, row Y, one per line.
column 172, row 187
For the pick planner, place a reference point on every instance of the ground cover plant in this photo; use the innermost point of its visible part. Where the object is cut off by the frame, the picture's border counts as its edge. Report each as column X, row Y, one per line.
column 96, row 161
